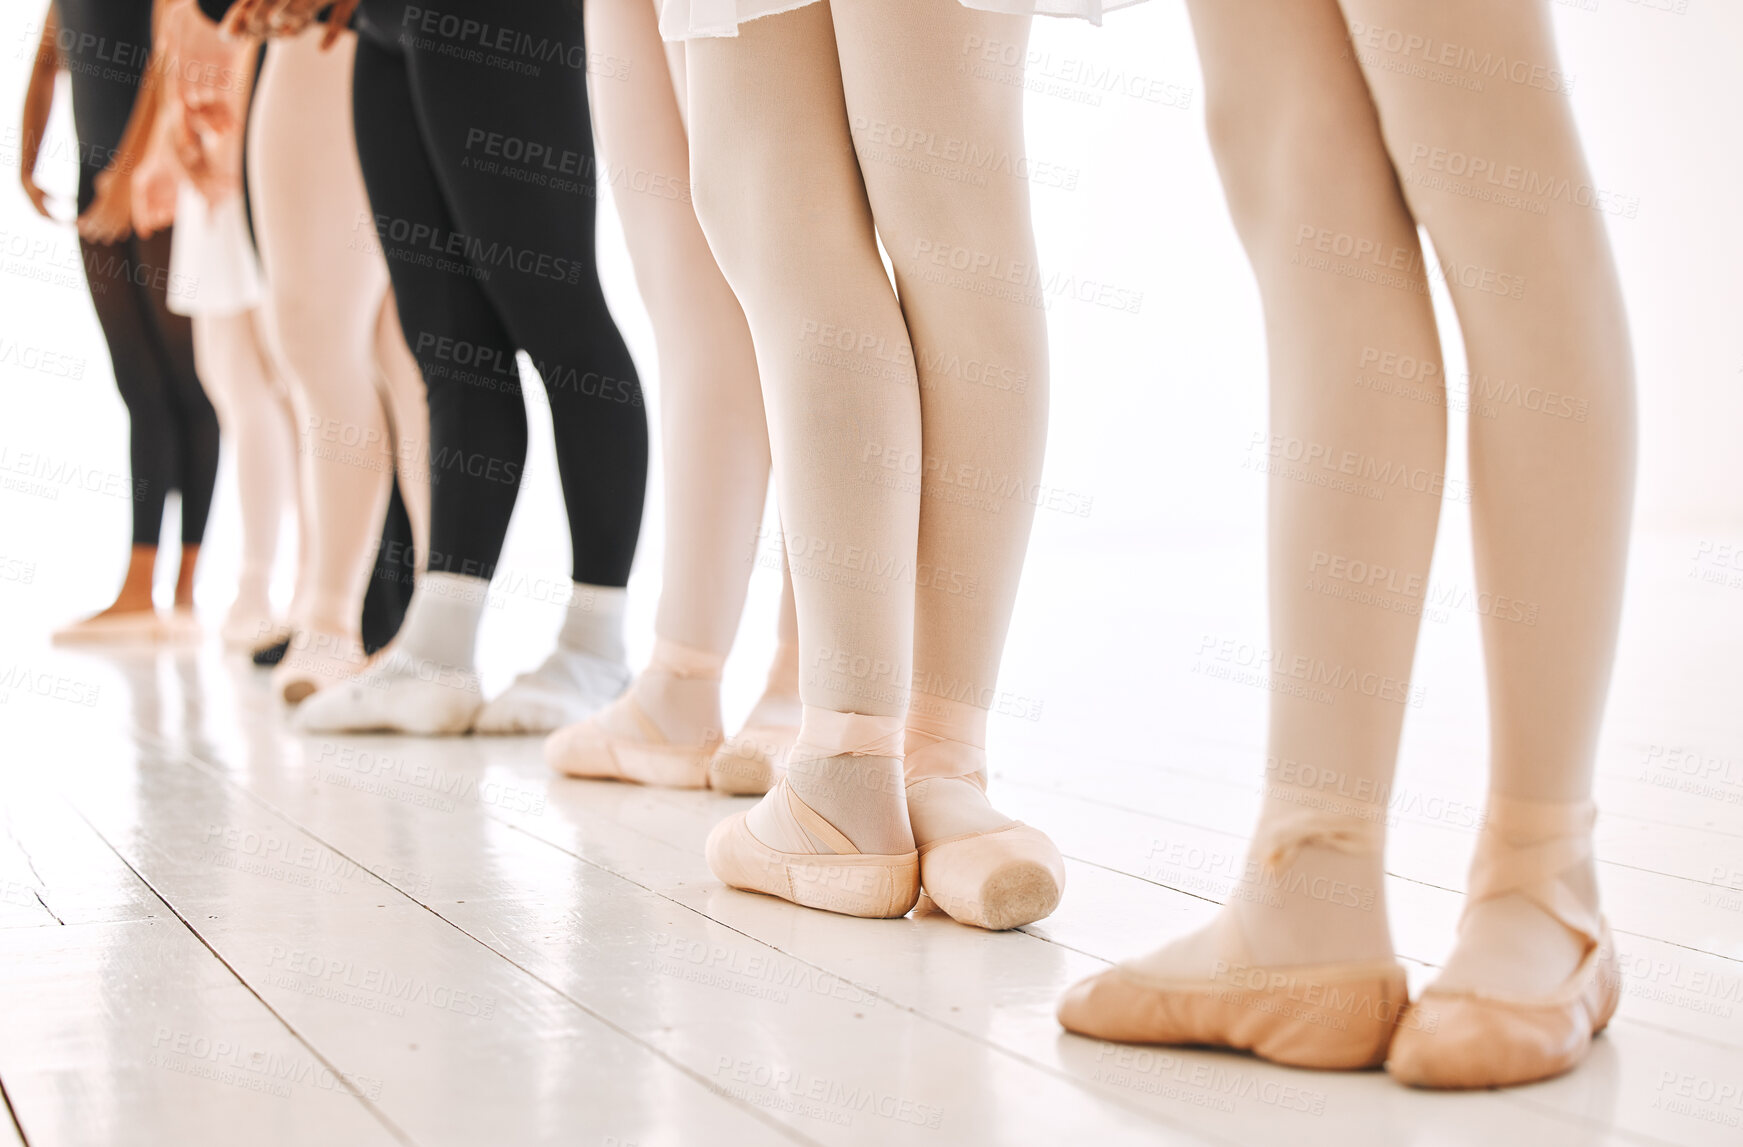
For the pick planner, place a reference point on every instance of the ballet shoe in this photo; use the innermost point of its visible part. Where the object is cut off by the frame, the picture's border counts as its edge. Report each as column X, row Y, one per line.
column 569, row 687
column 268, row 655
column 1464, row 1037
column 1331, row 1017
column 1337, row 1016
column 314, row 660
column 247, row 631
column 125, row 627
column 752, row 760
column 1003, row 875
column 995, row 880
column 814, row 864
column 603, row 748
column 397, row 694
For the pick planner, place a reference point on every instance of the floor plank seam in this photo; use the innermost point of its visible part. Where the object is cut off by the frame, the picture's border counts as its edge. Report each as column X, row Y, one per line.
column 338, row 1074
column 220, row 774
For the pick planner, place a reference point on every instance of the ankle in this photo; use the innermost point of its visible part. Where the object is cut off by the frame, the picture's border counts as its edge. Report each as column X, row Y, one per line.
column 783, row 679
column 1322, row 905
column 860, row 795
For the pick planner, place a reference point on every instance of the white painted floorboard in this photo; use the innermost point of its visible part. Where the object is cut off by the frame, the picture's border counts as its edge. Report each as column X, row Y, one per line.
column 213, row 930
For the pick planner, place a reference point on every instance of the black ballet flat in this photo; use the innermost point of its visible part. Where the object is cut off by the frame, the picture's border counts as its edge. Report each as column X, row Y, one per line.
column 270, row 655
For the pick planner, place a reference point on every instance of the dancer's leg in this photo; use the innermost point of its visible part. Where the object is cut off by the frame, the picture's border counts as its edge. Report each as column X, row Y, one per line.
column 124, row 314
column 556, row 313
column 1309, row 185
column 786, row 214
column 234, row 369
column 980, row 343
column 317, row 249
column 427, row 681
column 714, row 435
column 195, row 438
column 408, row 408
column 1551, row 483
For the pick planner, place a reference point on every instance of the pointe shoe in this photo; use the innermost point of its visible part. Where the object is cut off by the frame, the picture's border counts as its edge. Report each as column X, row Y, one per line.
column 1000, row 877
column 752, row 760
column 995, row 880
column 603, row 748
column 1466, row 1038
column 814, row 864
column 121, row 628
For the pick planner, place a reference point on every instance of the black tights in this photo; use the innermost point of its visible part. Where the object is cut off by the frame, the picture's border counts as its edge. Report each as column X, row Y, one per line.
column 173, row 428
column 492, row 252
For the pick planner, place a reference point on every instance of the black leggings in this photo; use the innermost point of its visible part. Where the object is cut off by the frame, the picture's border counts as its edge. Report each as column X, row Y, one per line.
column 477, row 150
column 173, row 428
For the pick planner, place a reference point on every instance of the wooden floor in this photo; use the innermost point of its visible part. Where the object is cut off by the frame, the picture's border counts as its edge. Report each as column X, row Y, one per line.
column 213, row 930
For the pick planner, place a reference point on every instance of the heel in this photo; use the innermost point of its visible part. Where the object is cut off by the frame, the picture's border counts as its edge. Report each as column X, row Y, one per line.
column 749, row 763
column 852, row 884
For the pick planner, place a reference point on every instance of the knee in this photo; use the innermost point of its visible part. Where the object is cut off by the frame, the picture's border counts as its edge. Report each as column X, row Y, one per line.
column 754, row 214
column 1287, row 164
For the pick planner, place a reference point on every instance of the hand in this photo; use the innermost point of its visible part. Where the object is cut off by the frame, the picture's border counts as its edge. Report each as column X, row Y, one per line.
column 270, row 17
column 202, row 159
column 338, row 20
column 155, row 186
column 109, row 218
column 37, row 196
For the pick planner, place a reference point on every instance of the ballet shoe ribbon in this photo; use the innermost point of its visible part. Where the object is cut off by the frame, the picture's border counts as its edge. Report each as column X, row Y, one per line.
column 930, row 757
column 685, row 662
column 825, row 733
column 1284, row 833
column 1525, row 848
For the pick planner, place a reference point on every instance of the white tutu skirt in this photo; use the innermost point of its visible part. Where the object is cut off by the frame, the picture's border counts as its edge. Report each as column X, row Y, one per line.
column 692, row 19
column 212, row 266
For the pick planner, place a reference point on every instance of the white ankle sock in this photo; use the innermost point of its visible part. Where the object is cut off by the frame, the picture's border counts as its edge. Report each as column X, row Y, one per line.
column 583, row 674
column 848, row 768
column 593, row 622
column 441, row 623
column 424, row 681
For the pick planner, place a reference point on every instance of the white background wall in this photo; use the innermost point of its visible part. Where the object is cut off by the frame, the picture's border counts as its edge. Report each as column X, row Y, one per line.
column 1152, row 411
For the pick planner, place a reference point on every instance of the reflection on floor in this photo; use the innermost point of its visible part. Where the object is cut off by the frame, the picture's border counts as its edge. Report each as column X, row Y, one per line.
column 213, row 930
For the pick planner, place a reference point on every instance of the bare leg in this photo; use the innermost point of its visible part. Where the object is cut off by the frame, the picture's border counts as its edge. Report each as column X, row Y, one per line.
column 1551, row 477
